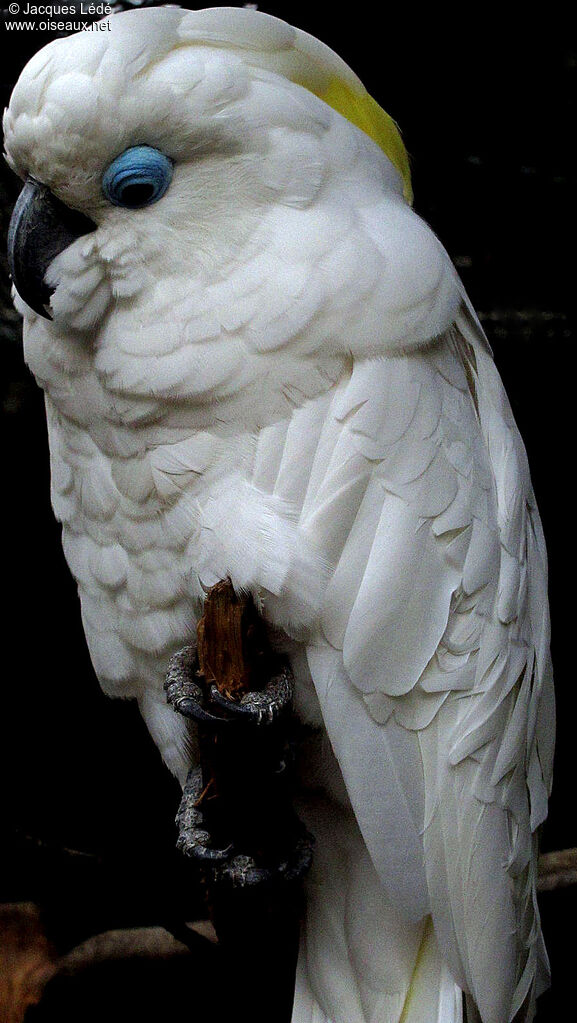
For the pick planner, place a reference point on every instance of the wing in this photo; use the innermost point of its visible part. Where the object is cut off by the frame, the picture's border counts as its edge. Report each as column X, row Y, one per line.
column 431, row 663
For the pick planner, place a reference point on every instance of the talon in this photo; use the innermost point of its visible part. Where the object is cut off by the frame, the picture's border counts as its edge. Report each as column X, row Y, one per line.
column 195, row 845
column 191, row 708
column 263, row 706
column 184, row 694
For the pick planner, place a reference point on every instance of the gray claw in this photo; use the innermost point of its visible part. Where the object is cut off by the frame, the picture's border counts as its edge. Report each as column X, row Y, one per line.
column 183, row 693
column 263, row 706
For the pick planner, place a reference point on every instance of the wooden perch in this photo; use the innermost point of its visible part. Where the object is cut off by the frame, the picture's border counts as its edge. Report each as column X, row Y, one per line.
column 232, row 644
column 131, row 943
column 27, row 960
column 557, row 870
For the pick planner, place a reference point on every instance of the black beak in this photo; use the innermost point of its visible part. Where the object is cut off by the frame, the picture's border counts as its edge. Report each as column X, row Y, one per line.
column 40, row 228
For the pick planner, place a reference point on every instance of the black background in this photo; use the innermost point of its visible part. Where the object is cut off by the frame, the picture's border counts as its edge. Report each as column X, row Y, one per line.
column 487, row 114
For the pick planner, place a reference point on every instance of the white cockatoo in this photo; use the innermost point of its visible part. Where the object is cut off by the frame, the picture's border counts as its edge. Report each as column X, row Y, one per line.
column 260, row 364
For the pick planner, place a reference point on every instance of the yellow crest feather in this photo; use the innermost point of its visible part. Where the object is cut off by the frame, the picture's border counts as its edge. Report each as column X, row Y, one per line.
column 362, row 110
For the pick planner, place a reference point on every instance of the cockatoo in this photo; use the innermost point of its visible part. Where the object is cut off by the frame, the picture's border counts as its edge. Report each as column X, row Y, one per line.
column 260, row 364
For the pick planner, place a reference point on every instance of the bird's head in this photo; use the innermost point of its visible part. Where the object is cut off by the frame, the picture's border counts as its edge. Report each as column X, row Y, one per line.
column 152, row 145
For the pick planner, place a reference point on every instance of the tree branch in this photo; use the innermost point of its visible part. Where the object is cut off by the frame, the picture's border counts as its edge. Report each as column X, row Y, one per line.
column 557, row 870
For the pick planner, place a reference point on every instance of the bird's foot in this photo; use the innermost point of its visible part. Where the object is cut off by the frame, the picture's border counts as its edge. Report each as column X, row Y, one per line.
column 236, row 819
column 228, row 865
column 205, row 704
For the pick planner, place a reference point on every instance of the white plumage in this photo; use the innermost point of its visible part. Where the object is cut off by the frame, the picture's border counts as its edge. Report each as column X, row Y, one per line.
column 273, row 374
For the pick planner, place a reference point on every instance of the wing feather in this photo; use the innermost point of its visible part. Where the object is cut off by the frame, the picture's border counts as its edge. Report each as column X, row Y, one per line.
column 431, row 664
column 376, row 760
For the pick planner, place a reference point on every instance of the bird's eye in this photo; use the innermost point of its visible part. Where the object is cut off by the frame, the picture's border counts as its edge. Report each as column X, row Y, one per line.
column 138, row 177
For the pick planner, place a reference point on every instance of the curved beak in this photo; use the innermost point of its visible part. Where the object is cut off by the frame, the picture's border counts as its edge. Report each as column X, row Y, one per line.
column 40, row 228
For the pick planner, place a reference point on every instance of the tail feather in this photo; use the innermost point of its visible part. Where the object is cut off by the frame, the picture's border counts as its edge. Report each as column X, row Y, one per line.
column 359, row 961
column 433, row 995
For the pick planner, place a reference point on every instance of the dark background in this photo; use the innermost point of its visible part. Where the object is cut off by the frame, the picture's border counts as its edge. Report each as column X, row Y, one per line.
column 487, row 114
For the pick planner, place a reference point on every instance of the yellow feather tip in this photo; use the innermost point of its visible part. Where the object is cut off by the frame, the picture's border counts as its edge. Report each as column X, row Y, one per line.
column 362, row 110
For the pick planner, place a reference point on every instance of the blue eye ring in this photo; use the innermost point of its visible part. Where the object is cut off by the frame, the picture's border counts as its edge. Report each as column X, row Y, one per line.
column 138, row 177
